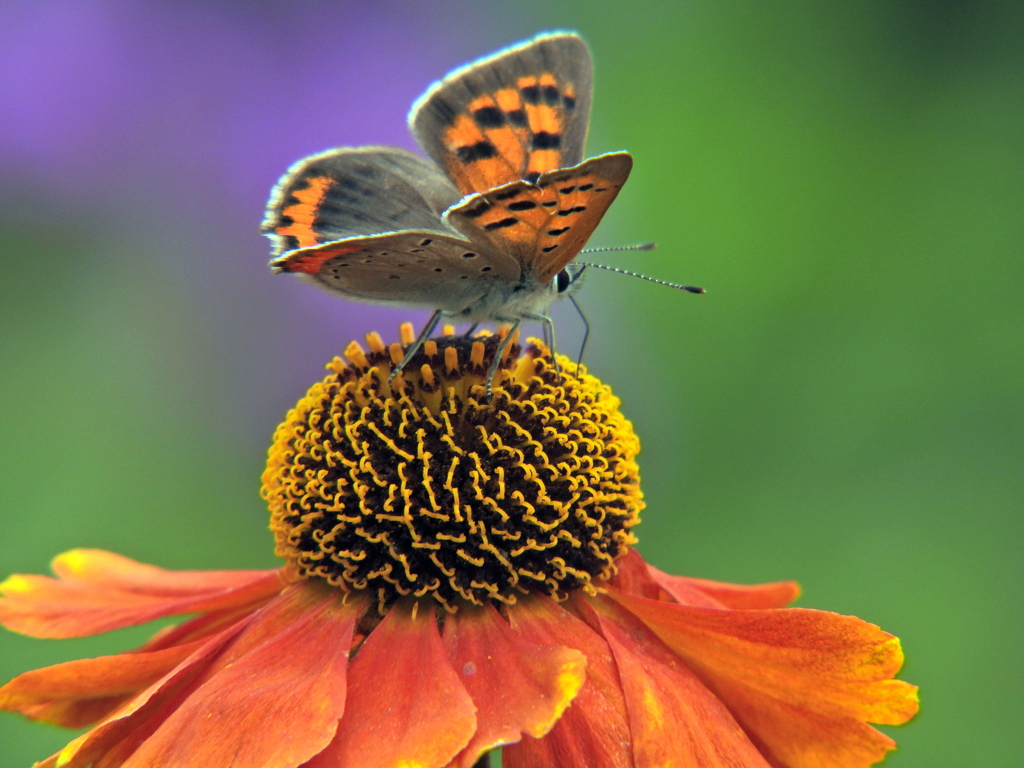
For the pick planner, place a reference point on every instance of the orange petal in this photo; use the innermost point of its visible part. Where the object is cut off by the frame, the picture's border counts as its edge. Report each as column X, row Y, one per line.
column 153, row 704
column 633, row 577
column 97, row 591
column 406, row 706
column 78, row 693
column 517, row 686
column 674, row 720
column 273, row 700
column 594, row 731
column 740, row 597
column 801, row 682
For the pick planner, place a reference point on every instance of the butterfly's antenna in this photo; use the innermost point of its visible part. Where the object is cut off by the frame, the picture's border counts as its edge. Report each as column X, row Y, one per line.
column 687, row 288
column 641, row 247
column 586, row 331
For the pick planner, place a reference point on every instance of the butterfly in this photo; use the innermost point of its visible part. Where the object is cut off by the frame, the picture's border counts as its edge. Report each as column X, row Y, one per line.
column 487, row 229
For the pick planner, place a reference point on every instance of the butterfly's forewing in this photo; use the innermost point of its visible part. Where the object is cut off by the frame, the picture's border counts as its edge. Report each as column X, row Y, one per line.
column 356, row 191
column 544, row 225
column 412, row 268
column 510, row 116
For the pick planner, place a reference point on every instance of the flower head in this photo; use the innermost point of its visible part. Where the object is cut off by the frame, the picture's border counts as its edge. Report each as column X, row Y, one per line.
column 458, row 576
column 427, row 487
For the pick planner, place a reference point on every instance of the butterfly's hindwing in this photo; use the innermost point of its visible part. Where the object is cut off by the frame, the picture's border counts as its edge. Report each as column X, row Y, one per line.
column 546, row 224
column 412, row 268
column 355, row 191
column 514, row 115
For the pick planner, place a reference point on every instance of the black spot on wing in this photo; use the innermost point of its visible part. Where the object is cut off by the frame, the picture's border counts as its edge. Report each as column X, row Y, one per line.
column 557, row 232
column 477, row 210
column 550, row 95
column 522, row 205
column 545, row 140
column 530, row 94
column 586, row 187
column 489, row 117
column 511, row 221
column 508, row 194
column 569, row 102
column 479, row 151
column 570, row 211
column 517, row 118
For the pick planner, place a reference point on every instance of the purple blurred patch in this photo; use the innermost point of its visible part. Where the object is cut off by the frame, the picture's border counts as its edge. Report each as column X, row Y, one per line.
column 104, row 93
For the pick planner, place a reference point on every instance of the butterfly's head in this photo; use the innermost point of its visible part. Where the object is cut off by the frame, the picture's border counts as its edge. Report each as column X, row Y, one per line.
column 568, row 280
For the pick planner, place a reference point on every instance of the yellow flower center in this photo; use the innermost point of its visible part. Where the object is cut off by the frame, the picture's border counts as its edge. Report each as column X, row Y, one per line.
column 425, row 486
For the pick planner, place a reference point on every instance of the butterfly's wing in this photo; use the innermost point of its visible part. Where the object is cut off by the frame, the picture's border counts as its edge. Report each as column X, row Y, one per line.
column 416, row 268
column 514, row 115
column 544, row 225
column 366, row 222
column 356, row 191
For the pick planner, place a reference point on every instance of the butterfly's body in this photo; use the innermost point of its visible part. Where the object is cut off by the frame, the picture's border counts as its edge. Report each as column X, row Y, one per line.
column 488, row 232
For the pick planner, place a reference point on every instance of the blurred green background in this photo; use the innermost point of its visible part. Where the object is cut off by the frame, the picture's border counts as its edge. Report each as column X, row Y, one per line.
column 845, row 407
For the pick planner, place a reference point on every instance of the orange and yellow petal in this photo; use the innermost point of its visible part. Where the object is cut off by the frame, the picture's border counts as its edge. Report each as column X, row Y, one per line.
column 79, row 693
column 636, row 577
column 675, row 721
column 97, row 591
column 107, row 744
column 517, row 686
column 272, row 699
column 737, row 597
column 803, row 683
column 406, row 706
column 594, row 731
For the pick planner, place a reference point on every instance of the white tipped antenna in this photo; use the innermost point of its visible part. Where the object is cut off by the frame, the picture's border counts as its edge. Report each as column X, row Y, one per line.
column 641, row 247
column 687, row 288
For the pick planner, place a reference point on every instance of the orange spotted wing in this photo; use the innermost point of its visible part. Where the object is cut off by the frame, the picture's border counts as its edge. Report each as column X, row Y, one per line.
column 514, row 115
column 544, row 224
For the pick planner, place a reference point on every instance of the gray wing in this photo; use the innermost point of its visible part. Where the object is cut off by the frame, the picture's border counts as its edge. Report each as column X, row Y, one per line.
column 410, row 268
column 513, row 115
column 355, row 191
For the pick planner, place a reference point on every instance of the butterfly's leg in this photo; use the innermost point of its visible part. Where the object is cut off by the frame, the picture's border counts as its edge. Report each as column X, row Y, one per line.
column 472, row 328
column 549, row 336
column 415, row 346
column 586, row 331
column 502, row 346
column 550, row 326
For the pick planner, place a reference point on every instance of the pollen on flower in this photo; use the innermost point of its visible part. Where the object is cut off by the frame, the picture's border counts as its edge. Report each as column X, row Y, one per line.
column 424, row 486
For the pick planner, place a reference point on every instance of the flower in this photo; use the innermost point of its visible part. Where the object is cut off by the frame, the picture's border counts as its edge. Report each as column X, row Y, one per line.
column 459, row 575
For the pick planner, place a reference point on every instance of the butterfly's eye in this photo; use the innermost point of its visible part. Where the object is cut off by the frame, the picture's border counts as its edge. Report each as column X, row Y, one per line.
column 562, row 281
